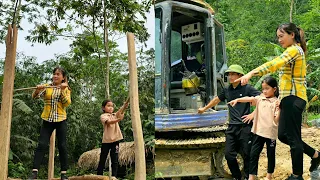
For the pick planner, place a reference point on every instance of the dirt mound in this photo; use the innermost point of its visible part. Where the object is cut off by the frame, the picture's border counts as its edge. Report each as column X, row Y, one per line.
column 283, row 158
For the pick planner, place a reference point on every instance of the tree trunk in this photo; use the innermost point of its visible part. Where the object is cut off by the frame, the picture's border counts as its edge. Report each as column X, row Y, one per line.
column 107, row 84
column 139, row 151
column 291, row 10
column 105, row 37
column 7, row 99
column 106, row 47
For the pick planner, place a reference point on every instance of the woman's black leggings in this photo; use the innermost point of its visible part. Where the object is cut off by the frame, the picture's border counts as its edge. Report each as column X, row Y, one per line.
column 45, row 134
column 290, row 131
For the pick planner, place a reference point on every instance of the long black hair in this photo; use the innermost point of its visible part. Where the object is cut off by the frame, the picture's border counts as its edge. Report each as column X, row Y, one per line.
column 297, row 31
column 272, row 82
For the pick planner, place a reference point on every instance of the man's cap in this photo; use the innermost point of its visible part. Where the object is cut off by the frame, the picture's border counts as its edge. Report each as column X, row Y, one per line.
column 235, row 68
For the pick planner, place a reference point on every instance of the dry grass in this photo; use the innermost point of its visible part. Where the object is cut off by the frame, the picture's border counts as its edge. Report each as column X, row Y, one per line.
column 90, row 159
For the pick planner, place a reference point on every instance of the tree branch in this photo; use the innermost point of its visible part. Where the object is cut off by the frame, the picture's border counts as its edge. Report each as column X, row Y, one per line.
column 291, row 9
column 65, row 35
column 96, row 43
column 79, row 22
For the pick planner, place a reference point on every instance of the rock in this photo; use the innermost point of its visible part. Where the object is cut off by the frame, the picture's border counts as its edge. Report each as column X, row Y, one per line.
column 315, row 175
column 316, row 123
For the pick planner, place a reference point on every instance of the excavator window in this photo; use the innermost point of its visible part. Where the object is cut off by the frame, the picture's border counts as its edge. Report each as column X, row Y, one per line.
column 176, row 56
column 195, row 58
column 158, row 66
column 185, row 57
column 219, row 46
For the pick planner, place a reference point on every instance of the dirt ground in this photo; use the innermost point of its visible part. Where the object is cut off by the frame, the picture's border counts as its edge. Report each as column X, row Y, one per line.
column 283, row 159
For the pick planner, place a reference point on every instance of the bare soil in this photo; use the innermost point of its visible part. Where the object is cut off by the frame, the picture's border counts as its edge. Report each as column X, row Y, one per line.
column 283, row 169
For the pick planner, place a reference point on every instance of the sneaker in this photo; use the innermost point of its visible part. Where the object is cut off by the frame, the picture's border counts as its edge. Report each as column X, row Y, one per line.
column 314, row 163
column 314, row 175
column 34, row 175
column 292, row 177
column 64, row 177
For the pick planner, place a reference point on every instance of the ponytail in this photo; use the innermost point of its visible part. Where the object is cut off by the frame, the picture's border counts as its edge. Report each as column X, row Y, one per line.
column 301, row 39
column 298, row 34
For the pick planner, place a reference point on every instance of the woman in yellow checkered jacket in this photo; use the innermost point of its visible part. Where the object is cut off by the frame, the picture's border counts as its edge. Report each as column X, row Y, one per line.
column 56, row 98
column 293, row 94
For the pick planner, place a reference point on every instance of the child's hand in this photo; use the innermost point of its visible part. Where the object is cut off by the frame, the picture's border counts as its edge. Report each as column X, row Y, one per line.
column 248, row 118
column 120, row 116
column 233, row 102
column 278, row 104
column 126, row 104
column 201, row 110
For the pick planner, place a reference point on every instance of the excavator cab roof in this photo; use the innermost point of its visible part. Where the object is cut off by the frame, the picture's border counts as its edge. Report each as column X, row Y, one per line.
column 200, row 3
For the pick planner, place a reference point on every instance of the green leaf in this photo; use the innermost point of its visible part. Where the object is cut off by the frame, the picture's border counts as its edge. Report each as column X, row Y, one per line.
column 10, row 155
column 21, row 105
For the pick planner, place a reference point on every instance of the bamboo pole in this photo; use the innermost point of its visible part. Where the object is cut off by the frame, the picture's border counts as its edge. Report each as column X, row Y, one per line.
column 140, row 162
column 29, row 88
column 7, row 96
column 51, row 155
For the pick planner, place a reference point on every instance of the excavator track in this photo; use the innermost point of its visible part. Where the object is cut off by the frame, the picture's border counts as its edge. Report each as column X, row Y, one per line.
column 207, row 137
column 193, row 143
column 195, row 136
column 209, row 129
column 199, row 144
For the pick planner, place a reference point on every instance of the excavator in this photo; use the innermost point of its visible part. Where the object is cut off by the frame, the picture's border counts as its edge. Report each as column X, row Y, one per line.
column 190, row 60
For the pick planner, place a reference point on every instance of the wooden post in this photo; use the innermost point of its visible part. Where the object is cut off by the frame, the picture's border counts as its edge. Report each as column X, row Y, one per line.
column 140, row 162
column 7, row 96
column 51, row 155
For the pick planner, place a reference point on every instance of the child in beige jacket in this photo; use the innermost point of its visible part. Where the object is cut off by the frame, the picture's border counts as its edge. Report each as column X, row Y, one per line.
column 111, row 136
column 265, row 125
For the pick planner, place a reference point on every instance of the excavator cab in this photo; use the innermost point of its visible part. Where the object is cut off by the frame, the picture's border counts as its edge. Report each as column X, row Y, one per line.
column 190, row 61
column 190, row 58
